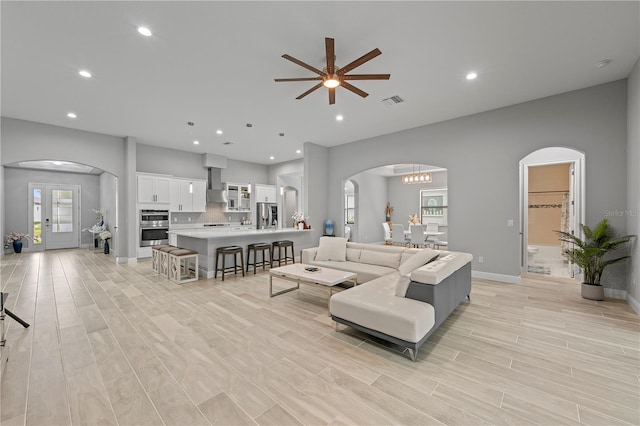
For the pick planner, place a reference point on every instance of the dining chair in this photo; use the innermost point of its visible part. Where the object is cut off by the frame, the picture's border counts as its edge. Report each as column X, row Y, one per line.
column 431, row 227
column 397, row 234
column 387, row 233
column 417, row 236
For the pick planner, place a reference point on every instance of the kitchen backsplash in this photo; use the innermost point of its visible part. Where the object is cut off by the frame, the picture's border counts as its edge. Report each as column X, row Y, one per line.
column 214, row 214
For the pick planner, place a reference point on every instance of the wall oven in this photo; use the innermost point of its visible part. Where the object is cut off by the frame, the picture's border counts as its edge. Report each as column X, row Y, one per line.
column 154, row 225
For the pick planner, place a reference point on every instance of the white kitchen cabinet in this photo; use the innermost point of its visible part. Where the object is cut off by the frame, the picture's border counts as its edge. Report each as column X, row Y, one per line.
column 173, row 240
column 265, row 193
column 188, row 195
column 153, row 189
column 238, row 197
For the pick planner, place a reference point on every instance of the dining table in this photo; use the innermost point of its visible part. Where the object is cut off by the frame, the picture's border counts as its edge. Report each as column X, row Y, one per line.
column 427, row 234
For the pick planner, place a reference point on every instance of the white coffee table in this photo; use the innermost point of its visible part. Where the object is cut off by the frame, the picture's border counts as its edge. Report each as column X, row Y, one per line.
column 296, row 272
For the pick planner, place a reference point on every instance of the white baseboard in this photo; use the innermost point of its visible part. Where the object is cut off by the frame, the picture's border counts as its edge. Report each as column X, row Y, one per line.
column 615, row 293
column 635, row 305
column 511, row 279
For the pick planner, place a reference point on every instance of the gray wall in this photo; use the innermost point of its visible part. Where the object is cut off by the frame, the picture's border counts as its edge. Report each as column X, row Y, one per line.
column 245, row 172
column 371, row 196
column 316, row 192
column 108, row 190
column 633, row 186
column 481, row 153
column 288, row 168
column 17, row 197
column 27, row 140
column 154, row 159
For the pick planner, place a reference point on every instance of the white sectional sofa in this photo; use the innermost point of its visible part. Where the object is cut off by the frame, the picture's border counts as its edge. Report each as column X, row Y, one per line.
column 399, row 298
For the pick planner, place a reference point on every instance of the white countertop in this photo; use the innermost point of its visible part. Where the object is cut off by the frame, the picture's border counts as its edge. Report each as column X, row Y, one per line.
column 223, row 232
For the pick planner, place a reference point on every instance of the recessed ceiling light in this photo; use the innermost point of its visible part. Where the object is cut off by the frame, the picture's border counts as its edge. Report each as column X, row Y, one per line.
column 339, row 117
column 196, row 142
column 85, row 73
column 603, row 63
column 144, row 31
column 298, row 151
column 472, row 76
column 219, row 131
column 72, row 115
column 272, row 158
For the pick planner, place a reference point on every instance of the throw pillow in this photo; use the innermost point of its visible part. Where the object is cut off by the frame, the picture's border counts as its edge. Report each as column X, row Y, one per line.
column 423, row 257
column 332, row 248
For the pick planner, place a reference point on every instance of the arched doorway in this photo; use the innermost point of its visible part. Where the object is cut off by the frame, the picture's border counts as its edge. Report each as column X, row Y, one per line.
column 551, row 198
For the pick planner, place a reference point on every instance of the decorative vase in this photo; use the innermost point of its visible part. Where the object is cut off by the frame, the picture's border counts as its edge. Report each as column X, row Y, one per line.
column 106, row 246
column 592, row 292
column 17, row 246
column 328, row 227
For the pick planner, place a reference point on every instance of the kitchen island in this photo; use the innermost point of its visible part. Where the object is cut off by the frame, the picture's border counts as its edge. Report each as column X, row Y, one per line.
column 206, row 241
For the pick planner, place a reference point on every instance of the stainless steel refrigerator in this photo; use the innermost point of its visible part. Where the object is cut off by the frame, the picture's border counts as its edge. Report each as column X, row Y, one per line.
column 266, row 216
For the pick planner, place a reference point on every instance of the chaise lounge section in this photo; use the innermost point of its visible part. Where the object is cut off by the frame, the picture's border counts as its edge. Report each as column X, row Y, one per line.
column 404, row 304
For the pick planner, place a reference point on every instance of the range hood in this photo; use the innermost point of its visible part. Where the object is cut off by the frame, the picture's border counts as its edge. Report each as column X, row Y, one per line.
column 215, row 193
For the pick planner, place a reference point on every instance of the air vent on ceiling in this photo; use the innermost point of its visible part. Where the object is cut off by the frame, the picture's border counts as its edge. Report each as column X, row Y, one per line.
column 393, row 100
column 227, row 143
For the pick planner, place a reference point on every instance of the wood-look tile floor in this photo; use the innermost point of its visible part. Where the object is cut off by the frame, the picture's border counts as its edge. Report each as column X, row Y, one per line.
column 117, row 344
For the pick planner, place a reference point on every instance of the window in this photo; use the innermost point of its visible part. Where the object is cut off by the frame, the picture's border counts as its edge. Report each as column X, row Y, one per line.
column 350, row 209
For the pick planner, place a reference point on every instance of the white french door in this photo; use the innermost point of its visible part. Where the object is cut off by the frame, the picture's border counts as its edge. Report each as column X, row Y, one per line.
column 53, row 216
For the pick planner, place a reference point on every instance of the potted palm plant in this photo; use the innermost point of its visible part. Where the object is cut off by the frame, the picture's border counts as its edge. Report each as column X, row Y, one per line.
column 590, row 254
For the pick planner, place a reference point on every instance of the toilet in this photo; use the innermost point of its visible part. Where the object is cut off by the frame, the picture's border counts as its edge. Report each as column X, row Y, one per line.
column 532, row 251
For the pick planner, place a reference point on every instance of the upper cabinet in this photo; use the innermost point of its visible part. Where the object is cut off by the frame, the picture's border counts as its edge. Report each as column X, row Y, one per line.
column 153, row 189
column 265, row 193
column 188, row 195
column 238, row 197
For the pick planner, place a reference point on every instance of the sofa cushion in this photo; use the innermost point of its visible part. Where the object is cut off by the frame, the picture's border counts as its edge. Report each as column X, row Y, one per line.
column 375, row 306
column 332, row 248
column 365, row 272
column 353, row 254
column 375, row 257
column 423, row 257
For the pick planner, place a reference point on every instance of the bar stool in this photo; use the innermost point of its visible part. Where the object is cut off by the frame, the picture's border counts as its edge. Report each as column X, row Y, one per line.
column 163, row 264
column 155, row 257
column 224, row 251
column 255, row 248
column 280, row 245
column 180, row 272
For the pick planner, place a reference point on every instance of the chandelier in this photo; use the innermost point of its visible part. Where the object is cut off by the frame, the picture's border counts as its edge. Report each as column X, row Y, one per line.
column 419, row 177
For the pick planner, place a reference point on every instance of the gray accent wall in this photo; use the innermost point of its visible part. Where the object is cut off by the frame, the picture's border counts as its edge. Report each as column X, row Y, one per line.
column 633, row 184
column 108, row 191
column 316, row 191
column 481, row 153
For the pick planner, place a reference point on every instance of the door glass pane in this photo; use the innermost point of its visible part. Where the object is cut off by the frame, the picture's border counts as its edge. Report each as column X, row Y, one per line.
column 61, row 210
column 37, row 216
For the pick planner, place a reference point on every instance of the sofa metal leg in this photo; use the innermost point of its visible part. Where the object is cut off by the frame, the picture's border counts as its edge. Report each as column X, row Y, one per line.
column 469, row 297
column 412, row 354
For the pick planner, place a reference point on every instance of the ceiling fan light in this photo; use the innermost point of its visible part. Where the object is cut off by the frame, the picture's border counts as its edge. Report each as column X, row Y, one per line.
column 331, row 82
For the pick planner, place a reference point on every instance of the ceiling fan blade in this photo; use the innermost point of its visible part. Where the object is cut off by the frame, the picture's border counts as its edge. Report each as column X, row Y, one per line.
column 361, row 60
column 366, row 77
column 317, row 86
column 332, row 95
column 354, row 89
column 331, row 55
column 302, row 64
column 297, row 79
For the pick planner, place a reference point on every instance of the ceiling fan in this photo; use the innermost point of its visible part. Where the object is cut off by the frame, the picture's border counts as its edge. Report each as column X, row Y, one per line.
column 333, row 76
